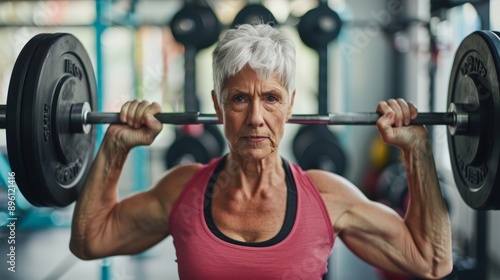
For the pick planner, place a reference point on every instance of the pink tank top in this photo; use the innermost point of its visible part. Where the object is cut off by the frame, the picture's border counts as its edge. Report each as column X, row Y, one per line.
column 299, row 251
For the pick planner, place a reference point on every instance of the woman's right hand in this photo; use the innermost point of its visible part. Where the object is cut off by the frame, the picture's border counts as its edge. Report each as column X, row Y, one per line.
column 139, row 127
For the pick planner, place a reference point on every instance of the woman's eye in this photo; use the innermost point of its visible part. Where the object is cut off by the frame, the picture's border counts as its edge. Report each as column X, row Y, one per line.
column 272, row 98
column 239, row 99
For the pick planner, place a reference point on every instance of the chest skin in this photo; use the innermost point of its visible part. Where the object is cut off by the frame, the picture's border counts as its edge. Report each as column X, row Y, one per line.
column 249, row 218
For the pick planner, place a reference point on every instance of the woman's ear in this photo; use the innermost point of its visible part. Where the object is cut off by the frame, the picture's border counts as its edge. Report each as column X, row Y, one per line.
column 216, row 106
column 290, row 106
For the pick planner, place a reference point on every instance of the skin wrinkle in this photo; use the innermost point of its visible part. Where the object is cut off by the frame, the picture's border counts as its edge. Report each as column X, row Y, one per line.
column 438, row 251
column 260, row 117
column 117, row 161
column 392, row 253
column 232, row 169
column 267, row 177
column 85, row 228
column 410, row 168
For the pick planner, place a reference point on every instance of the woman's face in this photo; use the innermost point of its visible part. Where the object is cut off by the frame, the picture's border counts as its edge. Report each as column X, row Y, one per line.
column 254, row 113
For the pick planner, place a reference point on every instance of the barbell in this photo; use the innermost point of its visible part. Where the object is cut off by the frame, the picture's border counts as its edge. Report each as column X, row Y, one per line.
column 50, row 137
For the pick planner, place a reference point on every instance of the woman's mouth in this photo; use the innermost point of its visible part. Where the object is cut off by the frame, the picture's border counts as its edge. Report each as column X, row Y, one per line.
column 255, row 138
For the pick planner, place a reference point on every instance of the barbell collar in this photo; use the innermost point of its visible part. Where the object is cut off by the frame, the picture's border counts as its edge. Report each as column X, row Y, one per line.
column 461, row 126
column 78, row 116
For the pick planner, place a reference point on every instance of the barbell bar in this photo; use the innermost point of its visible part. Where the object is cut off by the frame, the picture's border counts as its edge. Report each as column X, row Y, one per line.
column 51, row 137
column 82, row 116
column 448, row 118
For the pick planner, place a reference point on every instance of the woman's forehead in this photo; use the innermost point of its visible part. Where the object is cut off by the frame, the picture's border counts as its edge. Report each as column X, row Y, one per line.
column 249, row 78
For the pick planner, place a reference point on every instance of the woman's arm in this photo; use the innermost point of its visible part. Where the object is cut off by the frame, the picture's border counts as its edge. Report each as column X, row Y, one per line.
column 103, row 225
column 419, row 244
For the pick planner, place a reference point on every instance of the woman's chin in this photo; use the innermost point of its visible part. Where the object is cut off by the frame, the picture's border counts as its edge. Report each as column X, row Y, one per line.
column 255, row 154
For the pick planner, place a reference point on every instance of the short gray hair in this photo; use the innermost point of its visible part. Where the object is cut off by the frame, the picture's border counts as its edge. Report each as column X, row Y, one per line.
column 263, row 48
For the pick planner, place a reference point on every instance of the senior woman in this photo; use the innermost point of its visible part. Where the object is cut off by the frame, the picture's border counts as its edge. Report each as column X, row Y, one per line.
column 252, row 214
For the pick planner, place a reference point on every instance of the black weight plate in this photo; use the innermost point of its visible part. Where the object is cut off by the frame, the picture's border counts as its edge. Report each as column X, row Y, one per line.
column 202, row 148
column 187, row 149
column 219, row 138
column 27, row 134
column 474, row 81
column 14, row 119
column 324, row 155
column 317, row 147
column 61, row 74
column 252, row 14
column 319, row 26
column 307, row 134
column 195, row 25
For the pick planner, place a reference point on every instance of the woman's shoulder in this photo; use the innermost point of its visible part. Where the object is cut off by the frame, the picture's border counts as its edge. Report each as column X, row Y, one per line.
column 174, row 181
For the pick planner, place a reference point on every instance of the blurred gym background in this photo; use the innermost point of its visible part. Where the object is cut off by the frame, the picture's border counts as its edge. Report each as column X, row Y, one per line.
column 384, row 49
